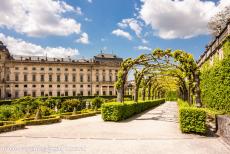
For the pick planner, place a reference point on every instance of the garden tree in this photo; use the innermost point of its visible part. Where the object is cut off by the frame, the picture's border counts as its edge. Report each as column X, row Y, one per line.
column 123, row 72
column 71, row 105
column 97, row 102
column 218, row 22
column 138, row 76
column 143, row 86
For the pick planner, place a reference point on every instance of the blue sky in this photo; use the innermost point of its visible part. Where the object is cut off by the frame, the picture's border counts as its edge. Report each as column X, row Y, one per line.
column 127, row 28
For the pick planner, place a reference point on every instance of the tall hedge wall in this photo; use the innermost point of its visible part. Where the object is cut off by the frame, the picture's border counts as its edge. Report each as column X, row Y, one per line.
column 215, row 82
column 116, row 111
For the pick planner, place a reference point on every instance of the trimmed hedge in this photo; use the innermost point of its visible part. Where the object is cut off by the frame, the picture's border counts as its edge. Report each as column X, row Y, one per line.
column 119, row 111
column 31, row 121
column 192, row 120
column 63, row 98
column 11, row 126
column 78, row 116
column 5, row 102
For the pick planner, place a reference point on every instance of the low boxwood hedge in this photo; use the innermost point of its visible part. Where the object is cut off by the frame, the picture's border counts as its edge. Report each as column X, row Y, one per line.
column 115, row 111
column 192, row 119
column 43, row 121
column 78, row 116
column 7, row 126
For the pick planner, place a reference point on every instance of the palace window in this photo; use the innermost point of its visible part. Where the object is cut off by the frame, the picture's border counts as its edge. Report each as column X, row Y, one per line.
column 25, row 68
column 34, row 68
column 81, row 78
column 25, row 77
column 74, row 78
column 103, row 78
column 97, row 92
column 74, row 69
column 42, row 93
column 50, row 78
column 58, row 86
column 42, row 68
column 25, row 93
column 16, row 86
column 34, row 77
column 42, row 86
column 16, row 68
column 58, row 93
column 50, row 93
column 58, row 78
column 34, row 86
column 42, row 78
column 97, row 78
column 58, row 69
column 66, row 69
column 8, row 77
column 50, row 86
column 74, row 93
column 50, row 69
column 66, row 93
column 16, row 94
column 34, row 94
column 66, row 78
column 16, row 77
column 88, row 78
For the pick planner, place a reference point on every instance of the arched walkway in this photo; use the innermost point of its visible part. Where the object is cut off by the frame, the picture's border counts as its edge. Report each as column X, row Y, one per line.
column 155, row 131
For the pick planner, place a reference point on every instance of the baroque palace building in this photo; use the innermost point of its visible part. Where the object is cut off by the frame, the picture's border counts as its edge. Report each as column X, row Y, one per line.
column 43, row 76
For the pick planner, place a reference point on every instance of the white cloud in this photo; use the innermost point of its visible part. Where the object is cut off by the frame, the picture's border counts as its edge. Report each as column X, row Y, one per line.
column 90, row 1
column 78, row 10
column 179, row 19
column 119, row 32
column 143, row 48
column 88, row 19
column 20, row 47
column 39, row 17
column 144, row 41
column 133, row 24
column 84, row 39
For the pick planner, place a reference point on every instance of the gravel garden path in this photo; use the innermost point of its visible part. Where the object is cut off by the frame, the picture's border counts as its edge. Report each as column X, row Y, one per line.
column 154, row 131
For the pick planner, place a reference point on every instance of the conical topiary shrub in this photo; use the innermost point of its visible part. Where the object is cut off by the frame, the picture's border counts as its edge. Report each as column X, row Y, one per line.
column 74, row 111
column 38, row 114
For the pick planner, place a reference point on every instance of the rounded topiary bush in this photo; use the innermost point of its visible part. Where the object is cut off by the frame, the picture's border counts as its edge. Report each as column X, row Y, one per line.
column 97, row 102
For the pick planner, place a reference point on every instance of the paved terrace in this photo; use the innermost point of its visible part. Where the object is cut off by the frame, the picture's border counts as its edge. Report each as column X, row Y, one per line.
column 155, row 131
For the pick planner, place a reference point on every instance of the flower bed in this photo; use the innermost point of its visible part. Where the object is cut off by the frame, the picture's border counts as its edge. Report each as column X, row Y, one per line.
column 119, row 111
column 7, row 126
column 43, row 121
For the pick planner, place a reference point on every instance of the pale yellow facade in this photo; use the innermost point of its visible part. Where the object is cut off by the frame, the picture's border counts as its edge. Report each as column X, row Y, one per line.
column 41, row 76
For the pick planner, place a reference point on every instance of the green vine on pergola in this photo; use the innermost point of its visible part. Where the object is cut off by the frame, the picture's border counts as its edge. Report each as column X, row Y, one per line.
column 162, row 60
